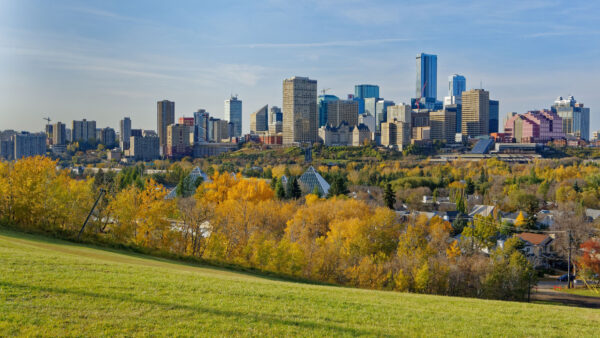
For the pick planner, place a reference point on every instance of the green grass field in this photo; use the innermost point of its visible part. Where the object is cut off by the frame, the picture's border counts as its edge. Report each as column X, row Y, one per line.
column 49, row 288
column 583, row 292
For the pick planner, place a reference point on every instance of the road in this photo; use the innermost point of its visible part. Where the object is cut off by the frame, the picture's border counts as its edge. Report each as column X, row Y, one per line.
column 544, row 291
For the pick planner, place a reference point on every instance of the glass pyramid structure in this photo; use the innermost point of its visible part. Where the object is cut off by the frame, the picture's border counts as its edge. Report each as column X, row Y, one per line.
column 311, row 179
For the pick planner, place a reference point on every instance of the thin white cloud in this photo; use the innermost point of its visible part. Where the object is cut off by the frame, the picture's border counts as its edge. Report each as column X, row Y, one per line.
column 346, row 43
column 106, row 14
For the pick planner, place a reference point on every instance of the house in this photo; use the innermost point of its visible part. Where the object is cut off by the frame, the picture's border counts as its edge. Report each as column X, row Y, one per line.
column 482, row 210
column 537, row 248
column 592, row 214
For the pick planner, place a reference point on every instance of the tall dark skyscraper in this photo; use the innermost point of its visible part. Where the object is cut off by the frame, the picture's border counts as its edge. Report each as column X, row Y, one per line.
column 165, row 116
column 427, row 76
column 494, row 112
column 124, row 133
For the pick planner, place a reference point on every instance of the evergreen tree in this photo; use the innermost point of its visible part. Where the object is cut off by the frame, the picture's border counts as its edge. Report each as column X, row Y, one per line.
column 339, row 186
column 279, row 190
column 470, row 188
column 389, row 196
column 296, row 192
column 576, row 187
column 288, row 187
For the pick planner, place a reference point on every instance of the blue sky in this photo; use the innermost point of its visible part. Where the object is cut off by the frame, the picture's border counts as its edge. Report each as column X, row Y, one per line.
column 103, row 60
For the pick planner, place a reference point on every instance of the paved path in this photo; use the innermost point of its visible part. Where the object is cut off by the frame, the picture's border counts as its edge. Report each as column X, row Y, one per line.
column 544, row 292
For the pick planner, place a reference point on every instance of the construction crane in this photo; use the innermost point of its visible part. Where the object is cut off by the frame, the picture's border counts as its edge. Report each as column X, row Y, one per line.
column 47, row 119
column 325, row 90
column 419, row 99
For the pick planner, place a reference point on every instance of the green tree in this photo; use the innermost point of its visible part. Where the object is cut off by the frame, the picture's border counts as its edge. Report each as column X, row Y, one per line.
column 389, row 196
column 316, row 191
column 339, row 186
column 295, row 192
column 280, row 190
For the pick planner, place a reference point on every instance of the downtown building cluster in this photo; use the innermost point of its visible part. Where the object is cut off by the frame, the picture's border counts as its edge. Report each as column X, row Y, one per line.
column 307, row 117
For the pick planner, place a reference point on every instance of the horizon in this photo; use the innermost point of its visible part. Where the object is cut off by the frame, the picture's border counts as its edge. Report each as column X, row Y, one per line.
column 109, row 60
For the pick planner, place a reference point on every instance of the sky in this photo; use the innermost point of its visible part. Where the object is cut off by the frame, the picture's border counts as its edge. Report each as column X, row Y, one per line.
column 104, row 60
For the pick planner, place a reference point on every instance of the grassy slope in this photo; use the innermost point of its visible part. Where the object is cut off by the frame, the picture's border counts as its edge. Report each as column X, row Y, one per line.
column 50, row 287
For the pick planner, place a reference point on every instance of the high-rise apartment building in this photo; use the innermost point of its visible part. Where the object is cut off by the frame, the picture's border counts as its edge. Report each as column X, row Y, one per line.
column 396, row 134
column 426, row 76
column 233, row 114
column 322, row 102
column 27, row 144
column 144, row 148
column 575, row 117
column 443, row 125
column 475, row 112
column 108, row 137
column 300, row 120
column 59, row 134
column 494, row 112
column 83, row 130
column 259, row 120
column 124, row 132
column 165, row 110
column 342, row 111
column 364, row 91
column 178, row 140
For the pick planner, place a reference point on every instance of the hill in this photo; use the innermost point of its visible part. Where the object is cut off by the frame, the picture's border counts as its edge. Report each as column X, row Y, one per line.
column 50, row 287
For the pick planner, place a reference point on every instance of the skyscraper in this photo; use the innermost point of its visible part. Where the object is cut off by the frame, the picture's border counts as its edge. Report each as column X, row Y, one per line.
column 83, row 130
column 426, row 76
column 575, row 117
column 59, row 134
column 300, row 120
column 381, row 107
column 364, row 91
column 456, row 85
column 233, row 113
column 165, row 116
column 259, row 120
column 475, row 112
column 322, row 102
column 342, row 111
column 124, row 133
column 27, row 145
column 443, row 125
column 201, row 118
column 494, row 112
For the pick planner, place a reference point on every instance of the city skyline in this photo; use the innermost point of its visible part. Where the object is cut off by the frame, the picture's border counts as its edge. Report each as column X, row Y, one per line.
column 106, row 53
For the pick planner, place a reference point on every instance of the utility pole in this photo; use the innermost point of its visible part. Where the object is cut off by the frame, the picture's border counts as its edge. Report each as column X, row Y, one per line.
column 569, row 262
column 90, row 214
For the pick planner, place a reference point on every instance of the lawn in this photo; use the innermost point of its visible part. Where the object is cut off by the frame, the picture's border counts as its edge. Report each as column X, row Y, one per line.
column 583, row 292
column 49, row 288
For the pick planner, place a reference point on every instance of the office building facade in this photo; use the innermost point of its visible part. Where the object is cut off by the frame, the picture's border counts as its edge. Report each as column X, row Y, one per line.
column 494, row 112
column 259, row 120
column 426, row 76
column 443, row 125
column 233, row 114
column 300, row 120
column 395, row 134
column 165, row 110
column 475, row 112
column 342, row 111
column 124, row 132
column 575, row 117
column 178, row 140
column 322, row 102
column 381, row 108
column 201, row 118
column 144, row 148
column 364, row 91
